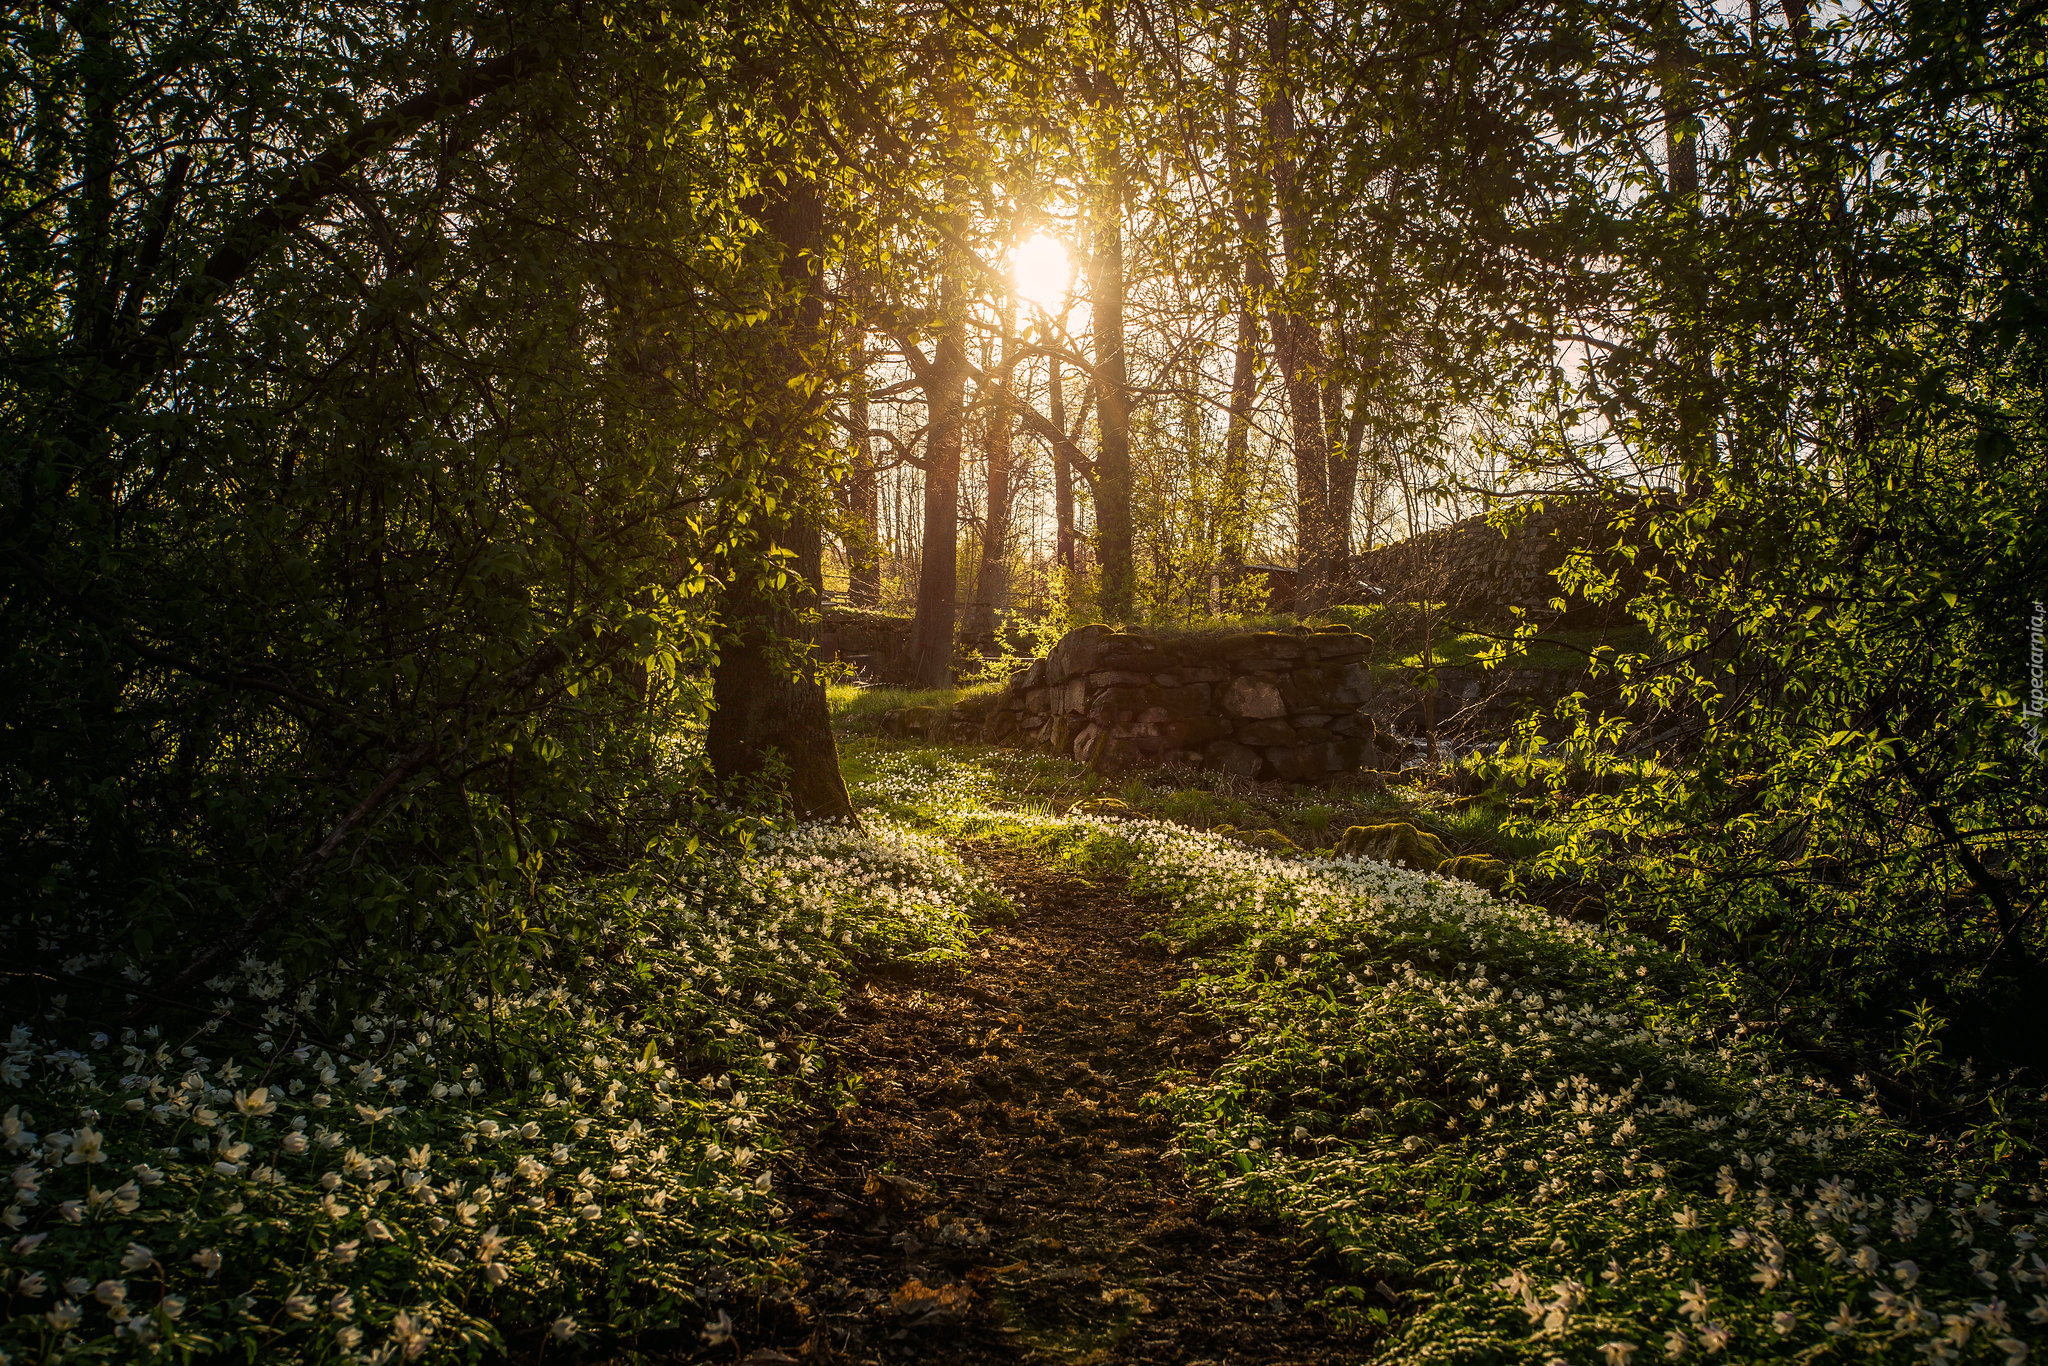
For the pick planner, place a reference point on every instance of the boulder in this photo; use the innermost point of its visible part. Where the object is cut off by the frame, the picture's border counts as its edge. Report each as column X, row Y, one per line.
column 1490, row 873
column 1394, row 842
column 1256, row 699
column 1231, row 757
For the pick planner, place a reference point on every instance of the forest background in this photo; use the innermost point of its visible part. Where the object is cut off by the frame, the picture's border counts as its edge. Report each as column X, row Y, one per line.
column 430, row 426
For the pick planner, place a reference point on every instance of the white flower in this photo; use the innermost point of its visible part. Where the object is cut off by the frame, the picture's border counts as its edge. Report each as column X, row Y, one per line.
column 299, row 1307
column 64, row 1317
column 207, row 1260
column 1616, row 1353
column 718, row 1331
column 255, row 1103
column 563, row 1328
column 87, row 1145
column 137, row 1258
column 1908, row 1273
column 1785, row 1321
column 410, row 1334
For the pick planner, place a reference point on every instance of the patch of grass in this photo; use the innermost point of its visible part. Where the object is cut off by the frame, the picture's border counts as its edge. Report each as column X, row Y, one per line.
column 1457, row 642
column 858, row 711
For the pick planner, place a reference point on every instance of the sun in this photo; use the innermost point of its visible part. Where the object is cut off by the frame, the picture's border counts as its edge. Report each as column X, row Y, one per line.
column 1042, row 271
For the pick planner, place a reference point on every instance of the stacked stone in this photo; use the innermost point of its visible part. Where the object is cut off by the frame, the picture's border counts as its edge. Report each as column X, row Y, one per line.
column 1266, row 704
column 1477, row 568
column 875, row 643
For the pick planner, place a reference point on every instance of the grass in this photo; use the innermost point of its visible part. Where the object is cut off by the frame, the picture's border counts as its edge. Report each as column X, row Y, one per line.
column 1203, row 799
column 858, row 711
column 1461, row 643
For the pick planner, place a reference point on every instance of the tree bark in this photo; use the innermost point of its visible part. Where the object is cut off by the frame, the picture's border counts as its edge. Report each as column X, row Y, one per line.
column 863, row 510
column 945, row 388
column 992, row 585
column 1346, row 432
column 1234, row 519
column 769, row 715
column 1106, row 299
column 1296, row 345
column 1062, row 473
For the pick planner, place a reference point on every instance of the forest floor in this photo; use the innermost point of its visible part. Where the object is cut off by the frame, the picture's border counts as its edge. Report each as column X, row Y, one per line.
column 999, row 1193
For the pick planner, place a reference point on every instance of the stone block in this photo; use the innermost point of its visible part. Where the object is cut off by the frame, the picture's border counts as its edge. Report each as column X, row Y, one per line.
column 1231, row 757
column 1116, row 704
column 1090, row 743
column 1264, row 734
column 1078, row 652
column 1256, row 699
column 1071, row 699
column 1263, row 645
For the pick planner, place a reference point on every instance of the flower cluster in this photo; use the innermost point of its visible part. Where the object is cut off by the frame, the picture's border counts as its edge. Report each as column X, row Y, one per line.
column 580, row 1132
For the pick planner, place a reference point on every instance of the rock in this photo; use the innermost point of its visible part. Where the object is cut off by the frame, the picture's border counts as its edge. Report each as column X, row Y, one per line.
column 1271, row 840
column 1490, row 873
column 1394, row 842
column 1256, row 699
column 921, row 722
column 1231, row 757
column 1267, row 733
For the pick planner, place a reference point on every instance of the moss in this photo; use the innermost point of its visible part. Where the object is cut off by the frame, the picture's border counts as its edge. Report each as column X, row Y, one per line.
column 1394, row 842
column 1489, row 873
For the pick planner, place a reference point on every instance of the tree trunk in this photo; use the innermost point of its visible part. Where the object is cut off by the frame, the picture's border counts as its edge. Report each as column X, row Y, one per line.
column 1296, row 345
column 1062, row 473
column 863, row 508
column 1234, row 519
column 992, row 587
column 931, row 648
column 769, row 715
column 1344, row 447
column 1106, row 298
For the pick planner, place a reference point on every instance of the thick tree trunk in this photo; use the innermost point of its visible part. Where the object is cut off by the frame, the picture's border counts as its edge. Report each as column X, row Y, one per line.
column 1106, row 299
column 769, row 717
column 1296, row 346
column 945, row 391
column 931, row 647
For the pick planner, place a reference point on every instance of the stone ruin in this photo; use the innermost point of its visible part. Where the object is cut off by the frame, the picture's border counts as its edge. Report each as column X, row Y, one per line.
column 1264, row 704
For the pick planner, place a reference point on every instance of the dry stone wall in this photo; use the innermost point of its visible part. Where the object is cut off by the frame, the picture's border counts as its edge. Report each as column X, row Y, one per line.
column 1479, row 568
column 1266, row 704
column 876, row 644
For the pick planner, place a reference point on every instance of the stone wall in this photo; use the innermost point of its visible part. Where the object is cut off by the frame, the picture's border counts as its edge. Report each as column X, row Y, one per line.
column 1267, row 704
column 1476, row 567
column 875, row 643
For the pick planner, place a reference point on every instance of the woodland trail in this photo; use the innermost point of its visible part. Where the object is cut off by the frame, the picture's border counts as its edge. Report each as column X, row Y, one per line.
column 1000, row 1194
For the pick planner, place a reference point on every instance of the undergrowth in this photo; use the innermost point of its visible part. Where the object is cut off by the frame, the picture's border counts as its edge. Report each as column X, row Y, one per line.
column 1527, row 1139
column 571, row 1140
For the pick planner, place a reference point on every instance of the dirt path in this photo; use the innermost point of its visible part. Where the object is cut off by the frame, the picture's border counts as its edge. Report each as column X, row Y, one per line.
column 1000, row 1194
